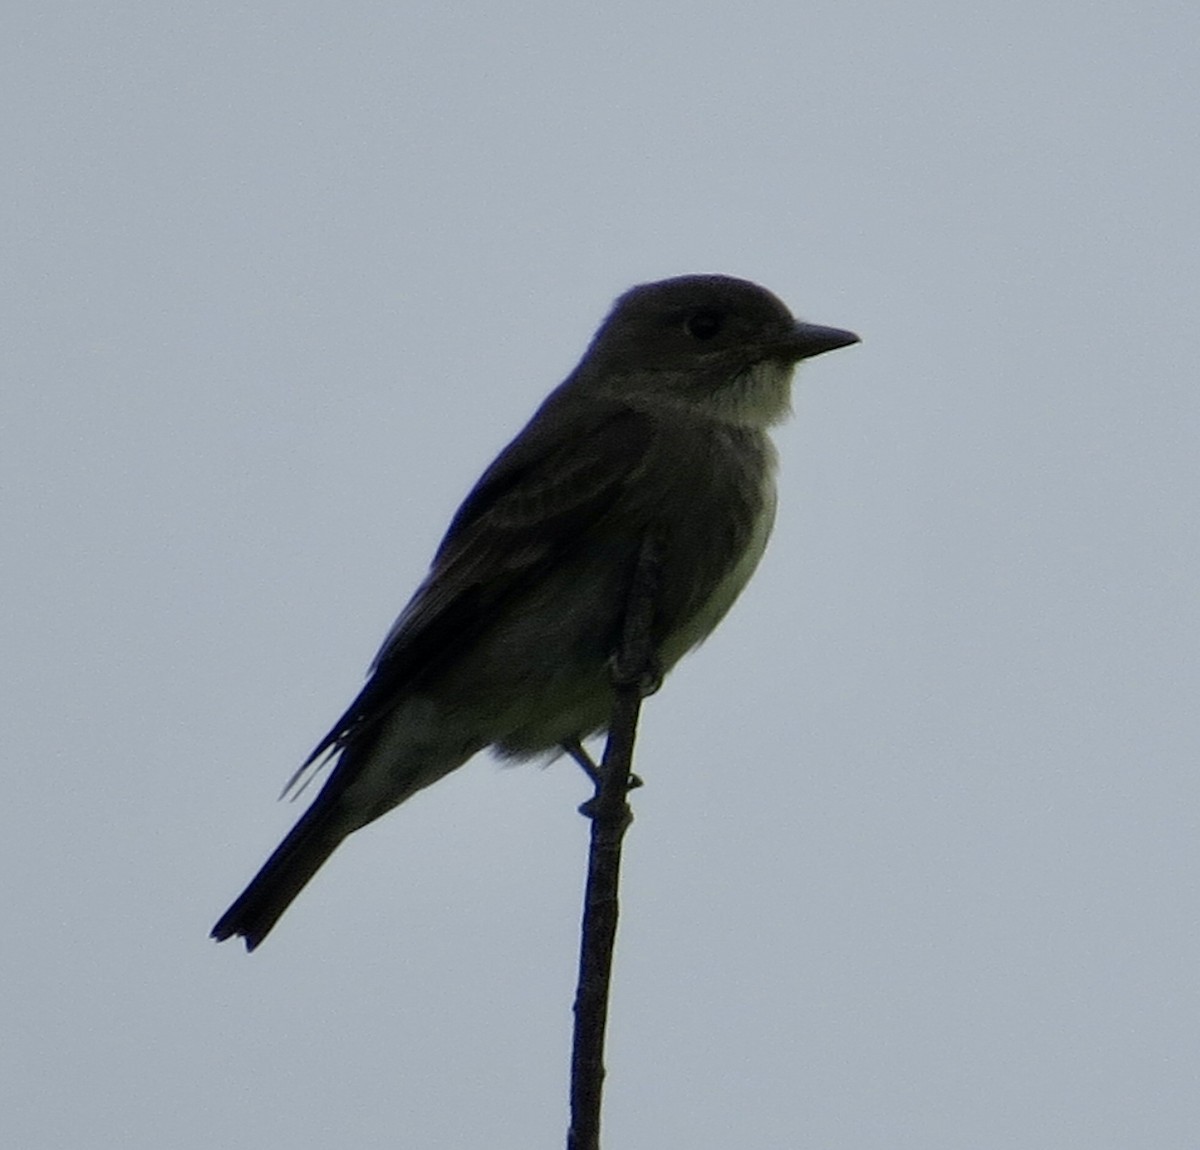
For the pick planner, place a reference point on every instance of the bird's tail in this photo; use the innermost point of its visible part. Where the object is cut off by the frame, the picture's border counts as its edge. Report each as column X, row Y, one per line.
column 283, row 876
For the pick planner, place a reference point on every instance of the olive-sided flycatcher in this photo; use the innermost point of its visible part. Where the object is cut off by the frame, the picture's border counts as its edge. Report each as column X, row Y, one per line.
column 660, row 433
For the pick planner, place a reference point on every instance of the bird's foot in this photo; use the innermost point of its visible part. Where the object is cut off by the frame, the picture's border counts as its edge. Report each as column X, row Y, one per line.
column 645, row 674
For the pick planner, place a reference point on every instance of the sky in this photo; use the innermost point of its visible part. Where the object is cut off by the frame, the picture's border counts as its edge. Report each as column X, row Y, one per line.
column 915, row 864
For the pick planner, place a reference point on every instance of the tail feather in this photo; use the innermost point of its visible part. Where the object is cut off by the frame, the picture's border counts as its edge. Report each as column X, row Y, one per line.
column 282, row 877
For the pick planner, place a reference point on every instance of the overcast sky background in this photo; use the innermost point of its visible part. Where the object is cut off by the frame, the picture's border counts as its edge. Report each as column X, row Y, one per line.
column 916, row 861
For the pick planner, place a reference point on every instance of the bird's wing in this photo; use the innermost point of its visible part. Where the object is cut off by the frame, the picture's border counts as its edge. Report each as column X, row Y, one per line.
column 540, row 496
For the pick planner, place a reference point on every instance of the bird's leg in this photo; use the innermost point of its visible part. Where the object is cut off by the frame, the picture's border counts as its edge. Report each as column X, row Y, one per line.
column 575, row 749
column 587, row 764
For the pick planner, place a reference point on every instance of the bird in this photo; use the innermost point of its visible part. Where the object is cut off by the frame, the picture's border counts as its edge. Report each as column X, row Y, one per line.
column 661, row 432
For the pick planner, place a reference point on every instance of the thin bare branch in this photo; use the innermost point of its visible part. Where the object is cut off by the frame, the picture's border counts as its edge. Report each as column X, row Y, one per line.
column 634, row 676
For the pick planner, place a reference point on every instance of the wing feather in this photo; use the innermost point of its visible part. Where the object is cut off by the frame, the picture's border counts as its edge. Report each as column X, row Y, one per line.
column 541, row 497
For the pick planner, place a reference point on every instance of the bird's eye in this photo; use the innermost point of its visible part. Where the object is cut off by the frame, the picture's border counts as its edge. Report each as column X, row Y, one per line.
column 703, row 324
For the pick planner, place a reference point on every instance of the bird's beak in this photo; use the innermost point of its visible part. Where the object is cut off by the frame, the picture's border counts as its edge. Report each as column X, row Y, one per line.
column 808, row 339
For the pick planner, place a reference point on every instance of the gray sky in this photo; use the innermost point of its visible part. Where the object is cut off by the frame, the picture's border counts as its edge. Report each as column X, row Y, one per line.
column 916, row 862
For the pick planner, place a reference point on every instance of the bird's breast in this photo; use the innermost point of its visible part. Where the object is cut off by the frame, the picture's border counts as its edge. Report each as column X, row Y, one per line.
column 726, row 533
